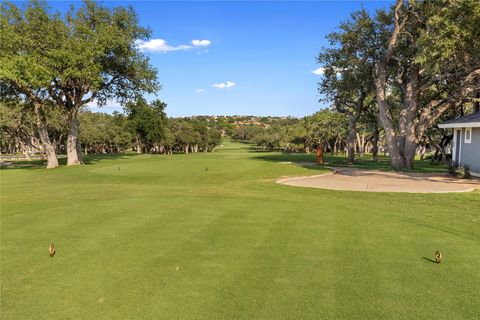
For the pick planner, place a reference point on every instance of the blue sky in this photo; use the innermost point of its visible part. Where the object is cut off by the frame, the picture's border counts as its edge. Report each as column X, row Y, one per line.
column 261, row 53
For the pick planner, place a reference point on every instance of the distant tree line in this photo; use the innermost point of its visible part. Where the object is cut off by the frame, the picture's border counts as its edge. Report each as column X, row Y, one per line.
column 328, row 129
column 143, row 128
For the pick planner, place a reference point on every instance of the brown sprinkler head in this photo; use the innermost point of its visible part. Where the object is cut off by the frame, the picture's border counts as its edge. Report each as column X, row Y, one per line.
column 51, row 250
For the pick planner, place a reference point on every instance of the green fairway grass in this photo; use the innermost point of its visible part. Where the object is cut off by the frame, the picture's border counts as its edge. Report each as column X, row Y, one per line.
column 163, row 237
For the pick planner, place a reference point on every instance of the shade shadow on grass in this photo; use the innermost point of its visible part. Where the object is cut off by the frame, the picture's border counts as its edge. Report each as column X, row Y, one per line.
column 29, row 164
column 97, row 157
column 365, row 163
column 428, row 259
column 41, row 164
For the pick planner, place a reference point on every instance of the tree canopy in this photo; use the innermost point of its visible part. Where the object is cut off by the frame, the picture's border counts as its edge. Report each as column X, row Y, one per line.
column 90, row 54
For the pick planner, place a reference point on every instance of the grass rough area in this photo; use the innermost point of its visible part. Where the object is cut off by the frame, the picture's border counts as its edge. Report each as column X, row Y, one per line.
column 162, row 237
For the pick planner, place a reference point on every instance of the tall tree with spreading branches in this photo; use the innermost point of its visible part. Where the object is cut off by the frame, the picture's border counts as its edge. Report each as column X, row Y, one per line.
column 99, row 60
column 29, row 39
column 428, row 53
column 89, row 55
column 347, row 71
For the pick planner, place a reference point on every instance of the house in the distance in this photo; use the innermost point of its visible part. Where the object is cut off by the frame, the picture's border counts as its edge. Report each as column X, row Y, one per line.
column 466, row 141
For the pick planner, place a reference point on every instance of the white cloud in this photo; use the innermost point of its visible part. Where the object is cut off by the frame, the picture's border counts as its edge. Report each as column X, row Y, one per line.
column 223, row 85
column 319, row 71
column 109, row 107
column 160, row 45
column 201, row 43
column 199, row 90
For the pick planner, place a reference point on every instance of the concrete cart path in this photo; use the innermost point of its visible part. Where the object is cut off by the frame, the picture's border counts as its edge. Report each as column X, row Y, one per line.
column 380, row 181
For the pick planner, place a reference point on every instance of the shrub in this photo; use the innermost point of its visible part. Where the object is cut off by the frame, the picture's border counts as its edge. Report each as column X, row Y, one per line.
column 464, row 172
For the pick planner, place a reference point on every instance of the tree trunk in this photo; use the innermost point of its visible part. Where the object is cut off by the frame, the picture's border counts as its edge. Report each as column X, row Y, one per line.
column 421, row 151
column 439, row 147
column 320, row 155
column 335, row 146
column 361, row 144
column 352, row 134
column 380, row 80
column 52, row 161
column 26, row 152
column 376, row 134
column 410, row 151
column 74, row 157
column 477, row 103
column 352, row 127
column 79, row 151
column 408, row 138
column 138, row 146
